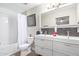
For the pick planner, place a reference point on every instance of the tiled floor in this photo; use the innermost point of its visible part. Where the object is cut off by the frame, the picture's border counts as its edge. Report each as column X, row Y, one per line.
column 33, row 54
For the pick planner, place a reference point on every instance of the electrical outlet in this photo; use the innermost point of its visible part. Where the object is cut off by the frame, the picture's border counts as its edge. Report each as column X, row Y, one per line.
column 0, row 43
column 78, row 30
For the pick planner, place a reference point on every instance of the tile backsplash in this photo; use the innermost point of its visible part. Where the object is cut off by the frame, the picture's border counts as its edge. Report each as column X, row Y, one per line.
column 62, row 31
column 49, row 30
column 72, row 31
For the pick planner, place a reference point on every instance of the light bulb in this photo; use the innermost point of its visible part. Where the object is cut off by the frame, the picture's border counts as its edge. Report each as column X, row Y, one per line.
column 61, row 21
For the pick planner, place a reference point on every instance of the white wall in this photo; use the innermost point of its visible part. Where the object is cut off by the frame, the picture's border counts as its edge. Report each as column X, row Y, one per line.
column 12, row 26
column 67, row 11
column 13, row 29
column 37, row 10
column 71, row 11
column 4, row 30
column 49, row 18
column 77, row 12
column 32, row 30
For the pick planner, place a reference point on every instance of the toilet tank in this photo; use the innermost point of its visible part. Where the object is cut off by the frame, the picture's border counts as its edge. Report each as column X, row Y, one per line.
column 30, row 40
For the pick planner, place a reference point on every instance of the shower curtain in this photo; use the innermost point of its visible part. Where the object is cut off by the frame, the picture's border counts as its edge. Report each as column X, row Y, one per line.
column 22, row 31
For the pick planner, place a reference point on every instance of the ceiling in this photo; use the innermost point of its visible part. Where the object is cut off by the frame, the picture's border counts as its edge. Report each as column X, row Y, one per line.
column 18, row 7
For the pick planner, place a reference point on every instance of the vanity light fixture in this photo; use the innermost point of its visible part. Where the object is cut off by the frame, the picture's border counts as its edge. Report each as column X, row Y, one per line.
column 25, row 3
column 56, row 5
column 61, row 21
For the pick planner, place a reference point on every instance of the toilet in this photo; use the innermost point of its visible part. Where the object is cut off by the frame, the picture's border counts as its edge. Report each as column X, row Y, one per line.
column 26, row 48
column 27, row 45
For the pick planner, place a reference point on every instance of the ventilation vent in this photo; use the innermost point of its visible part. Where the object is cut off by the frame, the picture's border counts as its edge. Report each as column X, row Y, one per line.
column 25, row 3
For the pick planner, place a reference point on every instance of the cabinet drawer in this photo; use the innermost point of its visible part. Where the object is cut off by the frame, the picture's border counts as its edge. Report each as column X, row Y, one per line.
column 58, row 45
column 72, row 48
column 69, row 49
column 47, row 52
column 43, row 51
column 57, row 53
column 44, row 43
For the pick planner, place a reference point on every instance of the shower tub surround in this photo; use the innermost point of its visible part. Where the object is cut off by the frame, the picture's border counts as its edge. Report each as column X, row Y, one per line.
column 9, row 50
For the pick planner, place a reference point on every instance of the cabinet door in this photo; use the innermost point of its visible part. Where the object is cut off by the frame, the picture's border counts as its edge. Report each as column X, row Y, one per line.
column 47, row 19
column 58, row 53
column 43, row 51
column 47, row 52
column 59, row 49
column 48, row 44
column 44, row 43
column 39, row 42
column 66, row 48
column 59, row 46
column 38, row 50
column 72, row 49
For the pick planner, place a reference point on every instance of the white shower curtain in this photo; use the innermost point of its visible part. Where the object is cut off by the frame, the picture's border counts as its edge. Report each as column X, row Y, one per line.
column 22, row 30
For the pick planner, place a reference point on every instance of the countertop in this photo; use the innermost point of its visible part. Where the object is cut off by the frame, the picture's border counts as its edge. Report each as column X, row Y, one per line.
column 70, row 39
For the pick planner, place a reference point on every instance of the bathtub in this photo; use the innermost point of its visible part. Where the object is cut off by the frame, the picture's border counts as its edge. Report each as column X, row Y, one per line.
column 8, row 50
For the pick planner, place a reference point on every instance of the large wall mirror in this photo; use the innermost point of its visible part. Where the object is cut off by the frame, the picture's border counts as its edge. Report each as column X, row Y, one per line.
column 62, row 20
column 31, row 20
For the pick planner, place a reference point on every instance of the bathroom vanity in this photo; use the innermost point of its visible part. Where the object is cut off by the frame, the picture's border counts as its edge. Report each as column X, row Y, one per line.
column 47, row 45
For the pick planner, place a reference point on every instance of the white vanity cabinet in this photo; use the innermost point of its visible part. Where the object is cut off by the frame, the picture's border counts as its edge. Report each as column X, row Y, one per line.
column 56, row 46
column 69, row 49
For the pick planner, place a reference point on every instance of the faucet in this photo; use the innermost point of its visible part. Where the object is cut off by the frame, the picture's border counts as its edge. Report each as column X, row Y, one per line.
column 68, row 34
